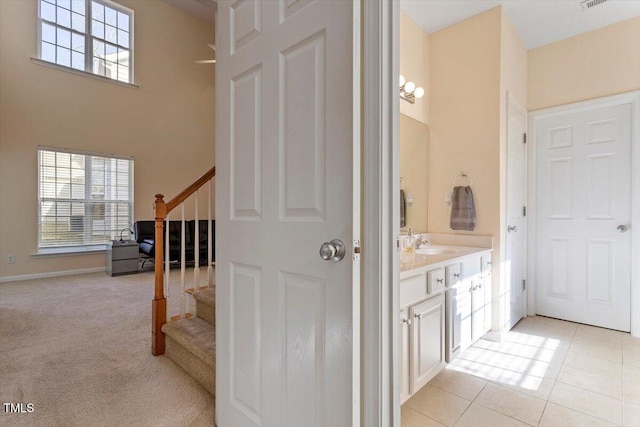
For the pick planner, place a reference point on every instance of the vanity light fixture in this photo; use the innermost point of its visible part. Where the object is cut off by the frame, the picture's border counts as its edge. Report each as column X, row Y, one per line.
column 409, row 92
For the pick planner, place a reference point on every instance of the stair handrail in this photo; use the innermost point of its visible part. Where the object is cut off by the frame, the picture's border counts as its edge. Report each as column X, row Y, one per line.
column 159, row 303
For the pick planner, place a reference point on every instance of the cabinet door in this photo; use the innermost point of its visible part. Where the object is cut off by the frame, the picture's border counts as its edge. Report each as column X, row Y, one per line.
column 477, row 308
column 427, row 341
column 458, row 302
column 485, row 262
column 405, row 355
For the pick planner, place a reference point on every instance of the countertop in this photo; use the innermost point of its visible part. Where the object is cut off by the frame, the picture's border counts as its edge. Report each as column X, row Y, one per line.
column 411, row 263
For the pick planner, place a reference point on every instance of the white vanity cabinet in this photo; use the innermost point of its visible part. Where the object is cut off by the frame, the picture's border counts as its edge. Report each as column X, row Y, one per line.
column 405, row 354
column 427, row 341
column 445, row 304
column 422, row 329
column 468, row 302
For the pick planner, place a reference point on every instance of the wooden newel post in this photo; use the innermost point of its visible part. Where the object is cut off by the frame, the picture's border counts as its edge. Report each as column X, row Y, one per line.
column 159, row 305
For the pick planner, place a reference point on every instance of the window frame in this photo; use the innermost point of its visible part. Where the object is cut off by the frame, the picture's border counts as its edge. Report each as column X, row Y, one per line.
column 89, row 40
column 86, row 245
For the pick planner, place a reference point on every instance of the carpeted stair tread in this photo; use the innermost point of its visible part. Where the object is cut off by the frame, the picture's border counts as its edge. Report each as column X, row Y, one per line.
column 207, row 296
column 195, row 335
column 206, row 305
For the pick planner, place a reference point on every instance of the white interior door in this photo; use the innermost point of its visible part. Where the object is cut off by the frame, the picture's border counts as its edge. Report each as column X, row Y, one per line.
column 583, row 170
column 285, row 78
column 515, row 267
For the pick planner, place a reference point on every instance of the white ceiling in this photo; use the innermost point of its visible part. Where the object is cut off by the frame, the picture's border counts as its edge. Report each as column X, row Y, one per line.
column 539, row 22
column 203, row 9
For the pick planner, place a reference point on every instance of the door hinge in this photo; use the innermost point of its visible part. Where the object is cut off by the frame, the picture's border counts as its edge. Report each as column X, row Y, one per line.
column 524, row 138
column 356, row 250
column 524, row 285
column 524, row 211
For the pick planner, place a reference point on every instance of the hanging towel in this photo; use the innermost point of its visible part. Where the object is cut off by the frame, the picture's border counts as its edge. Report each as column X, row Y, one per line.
column 463, row 209
column 403, row 210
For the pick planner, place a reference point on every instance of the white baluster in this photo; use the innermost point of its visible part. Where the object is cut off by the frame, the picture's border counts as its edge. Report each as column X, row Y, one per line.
column 182, row 264
column 167, row 246
column 196, row 248
column 209, row 242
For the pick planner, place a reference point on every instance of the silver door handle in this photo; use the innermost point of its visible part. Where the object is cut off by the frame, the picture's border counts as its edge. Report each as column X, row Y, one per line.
column 622, row 228
column 511, row 228
column 333, row 250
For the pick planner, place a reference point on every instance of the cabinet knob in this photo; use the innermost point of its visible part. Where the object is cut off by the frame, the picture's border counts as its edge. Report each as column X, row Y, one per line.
column 456, row 275
column 418, row 316
column 407, row 321
column 439, row 280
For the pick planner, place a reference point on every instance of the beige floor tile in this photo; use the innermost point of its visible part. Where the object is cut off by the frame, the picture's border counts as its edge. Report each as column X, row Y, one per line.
column 533, row 386
column 592, row 364
column 631, row 415
column 591, row 347
column 524, row 350
column 588, row 402
column 438, row 404
column 459, row 383
column 411, row 418
column 604, row 335
column 609, row 385
column 558, row 416
column 631, row 384
column 478, row 416
column 513, row 363
column 511, row 403
column 631, row 351
column 539, row 338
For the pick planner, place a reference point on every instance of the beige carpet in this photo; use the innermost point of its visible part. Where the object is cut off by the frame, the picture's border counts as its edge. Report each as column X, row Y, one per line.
column 78, row 348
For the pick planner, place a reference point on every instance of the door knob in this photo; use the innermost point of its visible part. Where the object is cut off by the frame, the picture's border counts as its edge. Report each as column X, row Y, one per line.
column 622, row 228
column 333, row 250
column 512, row 228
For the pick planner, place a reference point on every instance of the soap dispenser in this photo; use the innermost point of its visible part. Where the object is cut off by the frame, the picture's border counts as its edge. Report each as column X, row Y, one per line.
column 410, row 241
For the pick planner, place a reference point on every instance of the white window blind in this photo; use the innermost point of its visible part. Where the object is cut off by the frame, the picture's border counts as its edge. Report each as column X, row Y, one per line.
column 84, row 198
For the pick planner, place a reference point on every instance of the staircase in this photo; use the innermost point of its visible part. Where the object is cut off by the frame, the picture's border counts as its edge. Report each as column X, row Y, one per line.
column 187, row 340
column 190, row 343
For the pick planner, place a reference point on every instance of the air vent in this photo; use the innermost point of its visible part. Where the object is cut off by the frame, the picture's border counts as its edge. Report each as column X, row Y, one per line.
column 587, row 4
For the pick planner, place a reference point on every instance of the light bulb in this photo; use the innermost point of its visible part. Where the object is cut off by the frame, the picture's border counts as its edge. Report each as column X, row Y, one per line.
column 419, row 92
column 401, row 80
column 409, row 87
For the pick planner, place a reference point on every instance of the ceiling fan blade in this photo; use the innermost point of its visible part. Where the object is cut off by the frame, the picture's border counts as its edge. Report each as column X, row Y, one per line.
column 206, row 61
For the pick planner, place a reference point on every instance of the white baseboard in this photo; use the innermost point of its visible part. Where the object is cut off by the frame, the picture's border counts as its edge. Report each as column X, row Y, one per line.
column 22, row 277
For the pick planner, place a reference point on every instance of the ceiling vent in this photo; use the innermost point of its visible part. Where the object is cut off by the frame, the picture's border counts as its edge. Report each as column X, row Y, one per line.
column 587, row 4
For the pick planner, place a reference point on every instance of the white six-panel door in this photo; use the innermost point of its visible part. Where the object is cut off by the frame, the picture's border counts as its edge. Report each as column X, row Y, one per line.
column 583, row 170
column 285, row 172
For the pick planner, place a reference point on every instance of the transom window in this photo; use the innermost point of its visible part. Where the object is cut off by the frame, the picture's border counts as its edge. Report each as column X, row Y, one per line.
column 84, row 198
column 95, row 36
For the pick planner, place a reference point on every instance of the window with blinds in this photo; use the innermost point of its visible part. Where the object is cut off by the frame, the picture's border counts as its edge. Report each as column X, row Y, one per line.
column 84, row 198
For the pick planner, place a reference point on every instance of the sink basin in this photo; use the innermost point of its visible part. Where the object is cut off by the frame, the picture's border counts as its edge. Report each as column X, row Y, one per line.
column 436, row 251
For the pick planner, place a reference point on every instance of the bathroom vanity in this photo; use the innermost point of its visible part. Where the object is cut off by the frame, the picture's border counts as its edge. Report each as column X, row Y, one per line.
column 445, row 304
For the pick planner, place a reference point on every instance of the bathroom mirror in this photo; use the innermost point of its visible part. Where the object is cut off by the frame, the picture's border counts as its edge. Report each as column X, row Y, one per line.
column 414, row 170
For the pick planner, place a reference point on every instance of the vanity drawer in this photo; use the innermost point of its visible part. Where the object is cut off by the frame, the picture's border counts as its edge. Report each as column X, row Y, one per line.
column 453, row 274
column 413, row 289
column 435, row 280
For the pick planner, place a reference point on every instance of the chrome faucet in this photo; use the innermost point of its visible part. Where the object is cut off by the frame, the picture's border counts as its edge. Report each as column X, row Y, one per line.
column 421, row 241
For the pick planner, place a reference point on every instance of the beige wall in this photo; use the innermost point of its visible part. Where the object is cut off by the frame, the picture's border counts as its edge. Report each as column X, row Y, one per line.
column 473, row 65
column 464, row 118
column 166, row 124
column 414, row 169
column 414, row 65
column 591, row 65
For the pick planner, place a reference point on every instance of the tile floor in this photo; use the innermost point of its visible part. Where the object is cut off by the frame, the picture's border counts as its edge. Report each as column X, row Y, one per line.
column 546, row 372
